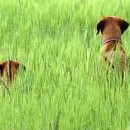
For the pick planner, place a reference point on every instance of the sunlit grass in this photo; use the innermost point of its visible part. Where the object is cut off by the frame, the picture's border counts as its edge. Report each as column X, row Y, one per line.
column 66, row 86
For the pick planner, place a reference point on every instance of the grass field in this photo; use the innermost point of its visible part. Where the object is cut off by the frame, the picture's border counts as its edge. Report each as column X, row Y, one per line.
column 64, row 86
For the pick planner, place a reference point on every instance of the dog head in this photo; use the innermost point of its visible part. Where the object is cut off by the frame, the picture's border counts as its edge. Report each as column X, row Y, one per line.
column 8, row 69
column 109, row 19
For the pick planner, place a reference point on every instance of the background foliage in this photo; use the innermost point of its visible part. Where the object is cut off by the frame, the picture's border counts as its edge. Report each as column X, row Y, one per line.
column 65, row 86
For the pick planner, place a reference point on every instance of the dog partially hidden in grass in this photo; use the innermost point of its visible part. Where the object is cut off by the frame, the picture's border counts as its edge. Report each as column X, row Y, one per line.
column 112, row 28
column 8, row 70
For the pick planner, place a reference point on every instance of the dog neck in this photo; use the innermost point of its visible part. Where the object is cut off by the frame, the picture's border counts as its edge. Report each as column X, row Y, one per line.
column 112, row 40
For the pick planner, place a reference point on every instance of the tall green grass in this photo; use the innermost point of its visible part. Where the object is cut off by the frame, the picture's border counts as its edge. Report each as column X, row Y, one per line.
column 65, row 86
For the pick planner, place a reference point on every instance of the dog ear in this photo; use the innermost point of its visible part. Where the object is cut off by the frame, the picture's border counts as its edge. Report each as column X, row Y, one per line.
column 23, row 67
column 100, row 26
column 2, row 66
column 123, row 25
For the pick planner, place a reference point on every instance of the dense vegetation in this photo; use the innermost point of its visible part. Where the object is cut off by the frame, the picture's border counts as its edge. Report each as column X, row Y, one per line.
column 64, row 87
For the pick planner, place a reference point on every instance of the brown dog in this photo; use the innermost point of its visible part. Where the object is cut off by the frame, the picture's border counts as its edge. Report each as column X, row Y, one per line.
column 112, row 28
column 8, row 70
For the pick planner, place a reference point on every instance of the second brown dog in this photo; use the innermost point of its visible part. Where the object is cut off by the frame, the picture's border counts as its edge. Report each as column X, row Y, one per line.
column 8, row 70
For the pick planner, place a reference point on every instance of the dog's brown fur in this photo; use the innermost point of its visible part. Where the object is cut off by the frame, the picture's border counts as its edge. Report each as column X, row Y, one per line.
column 112, row 28
column 9, row 69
